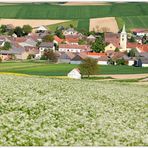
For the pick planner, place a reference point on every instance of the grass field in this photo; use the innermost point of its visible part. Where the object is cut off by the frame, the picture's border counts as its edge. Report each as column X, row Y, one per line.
column 56, row 112
column 62, row 69
column 47, row 11
column 132, row 14
column 133, row 22
column 64, row 24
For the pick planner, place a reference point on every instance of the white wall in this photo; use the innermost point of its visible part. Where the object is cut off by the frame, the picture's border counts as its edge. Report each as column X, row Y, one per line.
column 102, row 63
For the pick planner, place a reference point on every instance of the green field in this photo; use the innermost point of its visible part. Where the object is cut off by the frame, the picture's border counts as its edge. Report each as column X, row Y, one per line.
column 64, row 24
column 62, row 69
column 132, row 14
column 48, row 11
column 133, row 22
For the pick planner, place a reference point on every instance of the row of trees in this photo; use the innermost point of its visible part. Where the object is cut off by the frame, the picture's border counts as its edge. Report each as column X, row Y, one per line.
column 19, row 31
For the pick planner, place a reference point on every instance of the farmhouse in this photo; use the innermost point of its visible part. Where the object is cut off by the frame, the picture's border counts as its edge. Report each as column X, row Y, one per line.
column 41, row 29
column 75, row 74
column 78, row 58
column 73, row 48
column 66, row 57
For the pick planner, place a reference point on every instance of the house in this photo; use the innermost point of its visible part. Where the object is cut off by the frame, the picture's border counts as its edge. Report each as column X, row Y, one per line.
column 95, row 55
column 58, row 40
column 112, row 38
column 72, row 39
column 28, row 42
column 74, row 74
column 110, row 47
column 70, row 31
column 103, row 60
column 41, row 29
column 19, row 53
column 91, row 38
column 73, row 48
column 78, row 58
column 66, row 57
column 140, row 31
column 45, row 46
column 142, row 48
column 141, row 62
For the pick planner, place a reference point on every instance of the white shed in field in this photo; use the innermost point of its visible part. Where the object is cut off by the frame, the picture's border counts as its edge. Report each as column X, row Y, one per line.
column 75, row 74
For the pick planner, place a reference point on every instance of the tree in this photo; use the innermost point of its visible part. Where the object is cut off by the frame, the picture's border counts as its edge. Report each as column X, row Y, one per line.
column 0, row 59
column 50, row 55
column 48, row 38
column 81, row 42
column 3, row 28
column 88, row 66
column 98, row 45
column 117, row 49
column 120, row 62
column 132, row 52
column 31, row 56
column 132, row 39
column 18, row 31
column 59, row 34
column 27, row 29
column 6, row 46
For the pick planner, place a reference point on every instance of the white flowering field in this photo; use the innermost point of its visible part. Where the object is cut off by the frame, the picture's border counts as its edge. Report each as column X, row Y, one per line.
column 57, row 112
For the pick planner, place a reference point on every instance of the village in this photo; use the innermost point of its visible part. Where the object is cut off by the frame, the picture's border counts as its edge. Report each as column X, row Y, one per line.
column 68, row 45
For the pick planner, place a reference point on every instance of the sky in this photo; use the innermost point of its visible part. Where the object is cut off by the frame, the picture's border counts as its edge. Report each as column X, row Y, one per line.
column 12, row 1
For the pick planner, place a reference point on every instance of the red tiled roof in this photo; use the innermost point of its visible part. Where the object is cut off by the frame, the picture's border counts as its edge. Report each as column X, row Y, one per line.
column 85, row 47
column 132, row 45
column 140, row 30
column 72, row 40
column 20, row 39
column 143, row 48
column 59, row 40
column 96, row 54
column 112, row 38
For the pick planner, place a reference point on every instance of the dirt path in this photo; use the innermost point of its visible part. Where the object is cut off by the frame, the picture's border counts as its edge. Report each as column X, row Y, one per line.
column 126, row 76
column 33, row 23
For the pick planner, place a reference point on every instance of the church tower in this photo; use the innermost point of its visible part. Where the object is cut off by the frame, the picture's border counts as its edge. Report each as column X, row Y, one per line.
column 123, row 38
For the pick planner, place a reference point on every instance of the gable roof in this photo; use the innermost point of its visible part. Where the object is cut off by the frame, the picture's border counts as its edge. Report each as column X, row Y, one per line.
column 74, row 46
column 59, row 40
column 113, row 38
column 47, row 44
column 143, row 47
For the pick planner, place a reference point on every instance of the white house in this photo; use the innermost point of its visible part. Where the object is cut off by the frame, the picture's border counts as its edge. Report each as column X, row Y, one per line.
column 2, row 42
column 70, row 31
column 74, row 74
column 42, row 29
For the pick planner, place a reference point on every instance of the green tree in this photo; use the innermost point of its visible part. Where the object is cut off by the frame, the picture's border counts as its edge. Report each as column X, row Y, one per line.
column 98, row 45
column 117, row 49
column 7, row 46
column 3, row 28
column 48, row 38
column 132, row 52
column 132, row 39
column 0, row 59
column 18, row 31
column 81, row 42
column 27, row 29
column 59, row 34
column 88, row 67
column 50, row 55
column 120, row 62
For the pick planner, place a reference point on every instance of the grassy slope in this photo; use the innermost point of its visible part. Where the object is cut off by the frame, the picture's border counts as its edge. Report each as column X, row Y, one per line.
column 63, row 69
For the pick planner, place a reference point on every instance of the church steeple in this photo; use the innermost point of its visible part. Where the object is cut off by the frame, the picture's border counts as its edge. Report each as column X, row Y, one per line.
column 123, row 38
